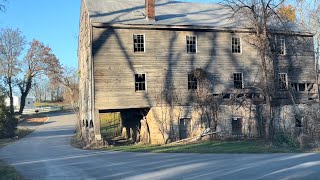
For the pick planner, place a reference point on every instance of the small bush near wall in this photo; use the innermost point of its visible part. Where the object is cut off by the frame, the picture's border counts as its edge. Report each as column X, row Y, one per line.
column 110, row 125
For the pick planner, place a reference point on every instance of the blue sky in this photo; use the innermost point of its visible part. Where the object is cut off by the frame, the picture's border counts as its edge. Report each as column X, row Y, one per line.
column 53, row 22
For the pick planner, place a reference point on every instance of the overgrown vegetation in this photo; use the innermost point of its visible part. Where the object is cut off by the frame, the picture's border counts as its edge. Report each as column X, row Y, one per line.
column 8, row 172
column 8, row 122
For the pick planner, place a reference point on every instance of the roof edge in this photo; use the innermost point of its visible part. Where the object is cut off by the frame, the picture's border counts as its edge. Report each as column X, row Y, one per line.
column 192, row 27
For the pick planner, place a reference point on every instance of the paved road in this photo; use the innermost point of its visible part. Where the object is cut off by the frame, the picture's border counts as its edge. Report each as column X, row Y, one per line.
column 47, row 154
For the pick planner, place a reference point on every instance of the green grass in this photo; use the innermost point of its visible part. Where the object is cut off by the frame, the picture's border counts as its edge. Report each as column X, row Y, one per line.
column 209, row 147
column 110, row 125
column 8, row 172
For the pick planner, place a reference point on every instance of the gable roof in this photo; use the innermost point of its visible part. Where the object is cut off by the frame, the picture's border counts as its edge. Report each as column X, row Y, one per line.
column 172, row 13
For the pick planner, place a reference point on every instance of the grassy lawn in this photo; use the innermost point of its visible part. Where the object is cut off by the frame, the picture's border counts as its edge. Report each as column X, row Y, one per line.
column 210, row 147
column 110, row 125
column 8, row 172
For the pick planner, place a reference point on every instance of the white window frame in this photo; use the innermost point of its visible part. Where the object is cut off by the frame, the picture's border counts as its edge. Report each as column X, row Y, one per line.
column 146, row 82
column 240, row 40
column 144, row 43
column 286, row 75
column 241, row 78
column 282, row 46
column 196, row 37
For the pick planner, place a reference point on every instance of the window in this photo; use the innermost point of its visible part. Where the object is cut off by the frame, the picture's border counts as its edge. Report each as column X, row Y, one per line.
column 140, row 82
column 283, row 81
column 184, row 127
column 138, row 43
column 236, row 45
column 192, row 82
column 191, row 44
column 282, row 47
column 238, row 80
column 302, row 87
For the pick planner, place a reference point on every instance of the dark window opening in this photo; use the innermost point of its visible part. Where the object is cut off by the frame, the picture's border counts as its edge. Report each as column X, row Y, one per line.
column 283, row 81
column 238, row 80
column 192, row 82
column 294, row 86
column 87, row 123
column 140, row 82
column 302, row 87
column 91, row 124
column 227, row 96
column 236, row 126
column 282, row 47
column 236, row 46
column 83, row 123
column 191, row 44
column 138, row 42
column 298, row 122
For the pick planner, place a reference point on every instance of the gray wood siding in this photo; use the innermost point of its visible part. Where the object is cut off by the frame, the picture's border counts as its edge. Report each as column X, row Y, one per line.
column 166, row 64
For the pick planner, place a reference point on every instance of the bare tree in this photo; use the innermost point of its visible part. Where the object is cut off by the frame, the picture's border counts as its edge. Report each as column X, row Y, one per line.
column 39, row 60
column 12, row 44
column 261, row 17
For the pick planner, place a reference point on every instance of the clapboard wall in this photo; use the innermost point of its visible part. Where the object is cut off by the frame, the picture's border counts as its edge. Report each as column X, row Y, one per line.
column 166, row 63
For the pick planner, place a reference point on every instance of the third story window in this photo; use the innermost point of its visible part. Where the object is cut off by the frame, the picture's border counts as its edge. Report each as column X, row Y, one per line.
column 238, row 80
column 236, row 45
column 192, row 82
column 283, row 81
column 140, row 82
column 191, row 44
column 138, row 43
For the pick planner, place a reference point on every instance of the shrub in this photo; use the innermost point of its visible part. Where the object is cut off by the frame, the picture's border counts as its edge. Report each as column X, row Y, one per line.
column 8, row 123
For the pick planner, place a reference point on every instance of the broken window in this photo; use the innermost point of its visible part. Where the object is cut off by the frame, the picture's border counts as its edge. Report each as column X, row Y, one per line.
column 236, row 126
column 191, row 44
column 138, row 42
column 282, row 47
column 236, row 45
column 283, row 81
column 140, row 82
column 192, row 82
column 238, row 80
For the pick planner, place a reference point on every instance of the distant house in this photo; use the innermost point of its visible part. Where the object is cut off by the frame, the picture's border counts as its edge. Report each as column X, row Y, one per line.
column 17, row 101
column 143, row 59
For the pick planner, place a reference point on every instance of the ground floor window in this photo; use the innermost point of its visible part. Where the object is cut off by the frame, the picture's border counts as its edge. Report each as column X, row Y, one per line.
column 184, row 127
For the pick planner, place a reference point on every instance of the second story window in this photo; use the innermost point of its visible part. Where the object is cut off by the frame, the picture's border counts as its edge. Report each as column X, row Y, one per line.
column 191, row 44
column 140, row 82
column 138, row 43
column 282, row 47
column 236, row 45
column 238, row 80
column 192, row 82
column 283, row 81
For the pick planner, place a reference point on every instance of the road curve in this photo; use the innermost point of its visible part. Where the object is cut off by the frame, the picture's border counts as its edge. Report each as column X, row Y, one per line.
column 47, row 154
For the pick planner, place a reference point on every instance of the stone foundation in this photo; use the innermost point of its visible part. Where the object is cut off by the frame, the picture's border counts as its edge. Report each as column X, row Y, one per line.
column 163, row 122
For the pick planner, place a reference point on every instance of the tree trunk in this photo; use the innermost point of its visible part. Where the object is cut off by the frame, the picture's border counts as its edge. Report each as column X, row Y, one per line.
column 10, row 96
column 24, row 94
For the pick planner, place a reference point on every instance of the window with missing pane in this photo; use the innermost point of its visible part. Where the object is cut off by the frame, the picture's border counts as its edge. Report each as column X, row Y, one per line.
column 192, row 82
column 283, row 81
column 191, row 44
column 236, row 45
column 140, row 82
column 138, row 43
column 238, row 80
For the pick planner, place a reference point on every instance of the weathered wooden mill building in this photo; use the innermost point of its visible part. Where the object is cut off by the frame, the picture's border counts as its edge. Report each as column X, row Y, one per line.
column 143, row 59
